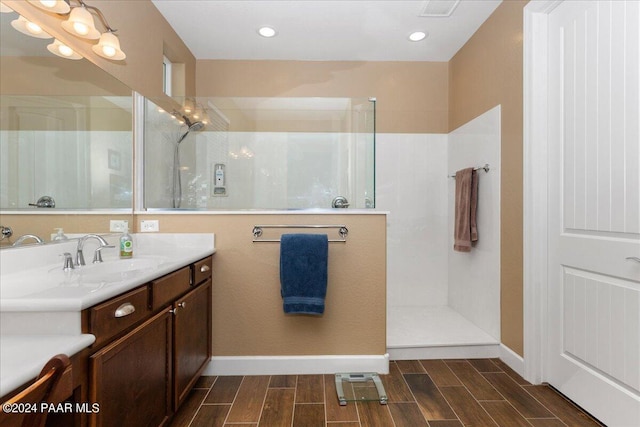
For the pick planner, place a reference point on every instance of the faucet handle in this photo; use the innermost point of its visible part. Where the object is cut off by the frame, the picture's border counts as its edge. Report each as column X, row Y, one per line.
column 68, row 261
column 97, row 255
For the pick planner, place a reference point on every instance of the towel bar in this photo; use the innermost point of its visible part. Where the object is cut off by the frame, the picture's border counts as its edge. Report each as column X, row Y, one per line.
column 257, row 231
column 485, row 168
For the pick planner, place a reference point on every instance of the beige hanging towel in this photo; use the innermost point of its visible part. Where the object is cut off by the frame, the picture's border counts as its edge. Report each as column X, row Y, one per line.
column 465, row 227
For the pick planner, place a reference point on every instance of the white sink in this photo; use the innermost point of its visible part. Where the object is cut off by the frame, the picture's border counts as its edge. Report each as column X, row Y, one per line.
column 116, row 270
column 51, row 281
column 38, row 297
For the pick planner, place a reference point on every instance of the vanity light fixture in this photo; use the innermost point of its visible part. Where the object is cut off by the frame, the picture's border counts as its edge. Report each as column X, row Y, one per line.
column 417, row 36
column 80, row 23
column 29, row 28
column 62, row 50
column 55, row 6
column 267, row 32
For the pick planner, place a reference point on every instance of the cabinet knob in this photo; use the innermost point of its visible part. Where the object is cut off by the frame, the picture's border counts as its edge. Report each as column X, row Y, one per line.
column 182, row 304
column 125, row 309
column 204, row 268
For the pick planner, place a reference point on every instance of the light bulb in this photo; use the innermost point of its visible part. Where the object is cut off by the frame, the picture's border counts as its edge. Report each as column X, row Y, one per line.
column 33, row 28
column 29, row 28
column 267, row 32
column 417, row 36
column 80, row 28
column 109, row 51
column 56, row 6
column 62, row 50
column 65, row 50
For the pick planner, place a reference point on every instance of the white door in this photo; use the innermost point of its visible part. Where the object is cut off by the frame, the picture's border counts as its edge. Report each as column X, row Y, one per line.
column 594, row 207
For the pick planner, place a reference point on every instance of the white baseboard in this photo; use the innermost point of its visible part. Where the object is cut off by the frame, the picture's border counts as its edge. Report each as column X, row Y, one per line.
column 445, row 352
column 296, row 365
column 512, row 359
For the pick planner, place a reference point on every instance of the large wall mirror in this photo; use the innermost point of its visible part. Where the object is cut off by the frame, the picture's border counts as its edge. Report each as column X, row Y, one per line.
column 65, row 133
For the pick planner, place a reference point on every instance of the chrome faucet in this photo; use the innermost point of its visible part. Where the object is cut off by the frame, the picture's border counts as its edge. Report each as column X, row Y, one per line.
column 97, row 256
column 21, row 239
column 68, row 262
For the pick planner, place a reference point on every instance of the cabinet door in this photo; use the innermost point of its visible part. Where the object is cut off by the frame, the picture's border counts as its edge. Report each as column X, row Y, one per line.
column 192, row 339
column 131, row 378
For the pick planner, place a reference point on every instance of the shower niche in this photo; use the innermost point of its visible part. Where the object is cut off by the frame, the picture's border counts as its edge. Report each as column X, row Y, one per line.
column 259, row 153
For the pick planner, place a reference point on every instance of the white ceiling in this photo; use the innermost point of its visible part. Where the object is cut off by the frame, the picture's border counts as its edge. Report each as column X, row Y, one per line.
column 322, row 30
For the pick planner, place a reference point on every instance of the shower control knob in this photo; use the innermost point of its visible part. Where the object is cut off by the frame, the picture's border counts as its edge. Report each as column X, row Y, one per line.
column 44, row 202
column 340, row 202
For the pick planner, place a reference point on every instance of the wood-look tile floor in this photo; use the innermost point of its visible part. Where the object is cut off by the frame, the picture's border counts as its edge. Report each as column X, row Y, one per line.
column 436, row 393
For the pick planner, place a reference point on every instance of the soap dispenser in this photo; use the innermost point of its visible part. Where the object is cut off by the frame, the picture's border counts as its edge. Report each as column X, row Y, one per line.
column 60, row 236
column 126, row 244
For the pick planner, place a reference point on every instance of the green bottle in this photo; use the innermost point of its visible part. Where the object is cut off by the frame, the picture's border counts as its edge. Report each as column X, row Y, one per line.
column 126, row 245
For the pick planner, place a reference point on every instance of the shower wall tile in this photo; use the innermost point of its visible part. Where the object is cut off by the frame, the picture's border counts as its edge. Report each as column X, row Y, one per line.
column 474, row 277
column 411, row 184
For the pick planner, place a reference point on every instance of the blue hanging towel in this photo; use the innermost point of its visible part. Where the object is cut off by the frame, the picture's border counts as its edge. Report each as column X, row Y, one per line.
column 303, row 272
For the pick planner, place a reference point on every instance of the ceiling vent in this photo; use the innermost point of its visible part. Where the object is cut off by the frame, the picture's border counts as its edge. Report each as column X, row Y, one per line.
column 439, row 8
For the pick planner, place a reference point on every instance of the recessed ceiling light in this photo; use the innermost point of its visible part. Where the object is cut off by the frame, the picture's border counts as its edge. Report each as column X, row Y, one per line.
column 267, row 32
column 416, row 36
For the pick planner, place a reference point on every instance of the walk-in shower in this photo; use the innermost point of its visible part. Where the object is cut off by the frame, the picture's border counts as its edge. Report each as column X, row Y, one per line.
column 260, row 153
column 176, row 191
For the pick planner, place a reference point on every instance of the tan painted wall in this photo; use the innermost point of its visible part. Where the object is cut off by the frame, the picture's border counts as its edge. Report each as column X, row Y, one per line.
column 412, row 97
column 50, row 75
column 486, row 72
column 247, row 307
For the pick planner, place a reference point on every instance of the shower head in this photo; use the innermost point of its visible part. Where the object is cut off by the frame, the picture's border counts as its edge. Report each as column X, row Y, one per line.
column 191, row 127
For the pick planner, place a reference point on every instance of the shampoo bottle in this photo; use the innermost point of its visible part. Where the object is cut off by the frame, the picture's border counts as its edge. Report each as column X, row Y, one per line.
column 126, row 245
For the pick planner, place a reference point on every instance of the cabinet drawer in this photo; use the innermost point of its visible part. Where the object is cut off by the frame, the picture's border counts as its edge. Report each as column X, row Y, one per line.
column 202, row 270
column 116, row 315
column 167, row 288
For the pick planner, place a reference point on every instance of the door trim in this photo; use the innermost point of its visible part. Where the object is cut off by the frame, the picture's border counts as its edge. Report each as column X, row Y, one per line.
column 535, row 190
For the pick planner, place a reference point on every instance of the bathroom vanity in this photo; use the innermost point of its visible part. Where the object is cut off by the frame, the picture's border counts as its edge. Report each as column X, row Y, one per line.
column 152, row 344
column 138, row 331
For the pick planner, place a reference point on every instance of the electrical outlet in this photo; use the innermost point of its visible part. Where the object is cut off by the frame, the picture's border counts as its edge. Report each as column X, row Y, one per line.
column 149, row 225
column 118, row 226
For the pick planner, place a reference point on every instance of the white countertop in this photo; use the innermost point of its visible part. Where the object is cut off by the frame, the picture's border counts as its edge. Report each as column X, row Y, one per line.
column 22, row 357
column 44, row 287
column 40, row 304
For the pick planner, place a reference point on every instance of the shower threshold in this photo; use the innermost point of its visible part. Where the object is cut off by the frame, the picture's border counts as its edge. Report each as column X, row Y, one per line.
column 436, row 332
column 360, row 387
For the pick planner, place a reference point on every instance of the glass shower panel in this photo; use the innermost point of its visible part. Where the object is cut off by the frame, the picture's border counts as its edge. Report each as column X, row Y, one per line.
column 260, row 153
column 76, row 149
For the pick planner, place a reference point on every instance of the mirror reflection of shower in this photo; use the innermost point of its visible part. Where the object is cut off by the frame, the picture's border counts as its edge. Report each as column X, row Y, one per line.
column 258, row 153
column 177, row 180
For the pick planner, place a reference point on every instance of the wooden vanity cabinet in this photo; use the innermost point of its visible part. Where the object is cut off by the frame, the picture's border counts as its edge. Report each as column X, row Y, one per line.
column 131, row 377
column 191, row 341
column 142, row 375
